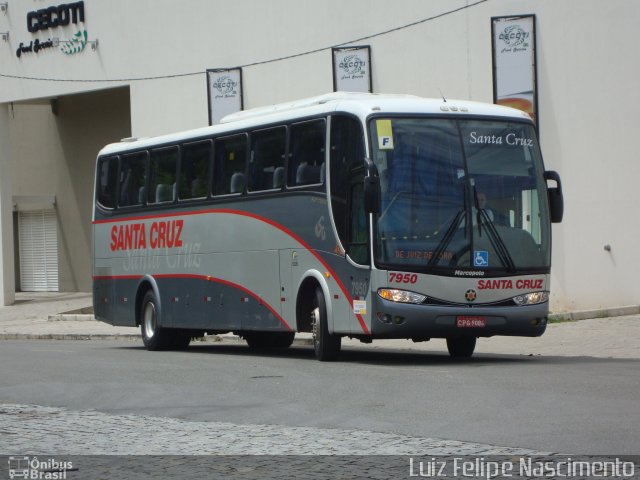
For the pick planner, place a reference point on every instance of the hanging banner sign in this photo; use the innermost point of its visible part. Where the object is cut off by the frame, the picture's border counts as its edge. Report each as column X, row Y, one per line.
column 224, row 90
column 514, row 63
column 352, row 69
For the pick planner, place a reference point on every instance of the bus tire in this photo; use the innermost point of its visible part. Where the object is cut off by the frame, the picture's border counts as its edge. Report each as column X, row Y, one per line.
column 325, row 345
column 153, row 336
column 461, row 347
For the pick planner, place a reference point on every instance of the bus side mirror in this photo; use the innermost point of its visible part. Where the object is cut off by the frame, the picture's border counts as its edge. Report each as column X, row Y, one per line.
column 372, row 189
column 556, row 200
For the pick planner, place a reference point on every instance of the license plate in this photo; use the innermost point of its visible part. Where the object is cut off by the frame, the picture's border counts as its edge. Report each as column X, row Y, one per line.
column 471, row 322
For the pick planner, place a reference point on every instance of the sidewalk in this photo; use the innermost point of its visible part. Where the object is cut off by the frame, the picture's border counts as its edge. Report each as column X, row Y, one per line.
column 66, row 316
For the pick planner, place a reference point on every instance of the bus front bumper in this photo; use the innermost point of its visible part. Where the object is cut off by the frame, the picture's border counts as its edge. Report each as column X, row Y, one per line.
column 421, row 322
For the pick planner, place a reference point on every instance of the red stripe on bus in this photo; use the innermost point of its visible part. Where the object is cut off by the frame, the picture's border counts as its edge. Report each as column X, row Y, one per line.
column 208, row 279
column 268, row 221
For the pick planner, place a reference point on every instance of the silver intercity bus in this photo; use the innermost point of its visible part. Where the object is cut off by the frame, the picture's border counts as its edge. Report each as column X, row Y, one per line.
column 360, row 215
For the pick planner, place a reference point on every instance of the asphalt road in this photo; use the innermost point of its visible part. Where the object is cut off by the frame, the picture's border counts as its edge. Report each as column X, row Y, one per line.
column 572, row 405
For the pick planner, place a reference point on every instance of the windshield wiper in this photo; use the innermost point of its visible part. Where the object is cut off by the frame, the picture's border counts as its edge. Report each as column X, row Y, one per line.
column 448, row 236
column 451, row 231
column 496, row 240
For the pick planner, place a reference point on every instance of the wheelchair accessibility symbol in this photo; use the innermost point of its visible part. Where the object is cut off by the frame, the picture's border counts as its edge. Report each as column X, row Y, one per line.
column 480, row 258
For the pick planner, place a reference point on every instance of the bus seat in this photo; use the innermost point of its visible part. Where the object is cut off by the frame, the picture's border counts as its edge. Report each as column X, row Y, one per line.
column 237, row 182
column 198, row 188
column 164, row 193
column 142, row 193
column 323, row 173
column 278, row 177
column 124, row 189
column 307, row 174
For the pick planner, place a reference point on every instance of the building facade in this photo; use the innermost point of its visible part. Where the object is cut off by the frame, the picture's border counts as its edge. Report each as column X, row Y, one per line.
column 76, row 76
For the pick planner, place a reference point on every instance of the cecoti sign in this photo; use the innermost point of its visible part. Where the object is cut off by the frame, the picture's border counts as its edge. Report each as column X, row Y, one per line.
column 58, row 16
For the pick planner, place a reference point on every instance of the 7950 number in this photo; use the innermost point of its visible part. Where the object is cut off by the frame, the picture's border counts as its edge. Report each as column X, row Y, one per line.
column 403, row 277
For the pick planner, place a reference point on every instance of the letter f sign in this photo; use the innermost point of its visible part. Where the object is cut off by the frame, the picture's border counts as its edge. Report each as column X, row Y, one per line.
column 385, row 143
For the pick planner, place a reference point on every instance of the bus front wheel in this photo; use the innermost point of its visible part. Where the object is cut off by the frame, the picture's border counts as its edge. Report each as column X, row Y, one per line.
column 461, row 347
column 326, row 345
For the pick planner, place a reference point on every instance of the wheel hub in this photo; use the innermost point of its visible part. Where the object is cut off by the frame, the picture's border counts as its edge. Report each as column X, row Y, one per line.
column 149, row 320
column 315, row 324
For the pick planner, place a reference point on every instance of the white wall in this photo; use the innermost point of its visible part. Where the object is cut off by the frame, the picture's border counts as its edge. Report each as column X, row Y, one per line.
column 587, row 74
column 54, row 155
column 7, row 279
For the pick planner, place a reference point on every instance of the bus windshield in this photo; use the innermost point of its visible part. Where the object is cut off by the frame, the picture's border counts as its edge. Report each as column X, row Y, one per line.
column 460, row 193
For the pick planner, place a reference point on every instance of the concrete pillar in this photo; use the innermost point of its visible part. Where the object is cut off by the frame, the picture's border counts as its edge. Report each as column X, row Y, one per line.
column 7, row 267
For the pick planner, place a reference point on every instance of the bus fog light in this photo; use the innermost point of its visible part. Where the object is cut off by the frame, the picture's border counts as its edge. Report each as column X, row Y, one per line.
column 531, row 298
column 402, row 296
column 384, row 317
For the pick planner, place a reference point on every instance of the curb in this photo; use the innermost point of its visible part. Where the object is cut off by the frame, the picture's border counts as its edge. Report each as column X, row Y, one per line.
column 66, row 317
column 66, row 336
column 592, row 314
column 125, row 336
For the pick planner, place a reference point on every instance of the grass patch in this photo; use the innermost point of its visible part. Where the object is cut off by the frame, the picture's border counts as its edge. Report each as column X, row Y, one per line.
column 559, row 318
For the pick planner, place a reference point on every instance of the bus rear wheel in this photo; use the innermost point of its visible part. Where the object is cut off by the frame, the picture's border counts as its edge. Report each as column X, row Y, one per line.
column 325, row 345
column 461, row 347
column 155, row 337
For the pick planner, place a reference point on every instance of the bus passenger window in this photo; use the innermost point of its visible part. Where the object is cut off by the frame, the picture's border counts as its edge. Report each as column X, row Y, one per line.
column 107, row 181
column 230, row 158
column 194, row 170
column 306, row 153
column 162, row 175
column 133, row 175
column 267, row 155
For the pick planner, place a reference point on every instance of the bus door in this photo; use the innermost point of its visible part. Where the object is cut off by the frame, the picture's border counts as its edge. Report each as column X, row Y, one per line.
column 288, row 257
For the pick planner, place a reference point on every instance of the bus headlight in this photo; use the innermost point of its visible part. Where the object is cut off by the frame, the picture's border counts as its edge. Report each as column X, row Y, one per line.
column 531, row 298
column 402, row 296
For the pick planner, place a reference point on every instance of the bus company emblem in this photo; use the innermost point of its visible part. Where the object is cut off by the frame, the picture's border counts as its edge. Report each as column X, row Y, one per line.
column 470, row 295
column 320, row 231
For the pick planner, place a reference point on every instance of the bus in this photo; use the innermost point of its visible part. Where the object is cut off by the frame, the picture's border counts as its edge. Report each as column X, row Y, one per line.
column 367, row 216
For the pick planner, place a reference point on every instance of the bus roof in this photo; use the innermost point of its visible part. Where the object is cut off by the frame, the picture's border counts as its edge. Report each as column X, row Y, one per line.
column 359, row 104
